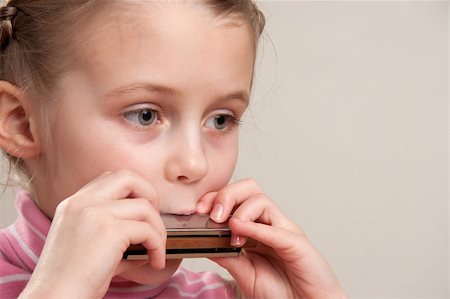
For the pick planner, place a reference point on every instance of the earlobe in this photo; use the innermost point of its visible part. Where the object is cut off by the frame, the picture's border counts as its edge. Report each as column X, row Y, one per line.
column 16, row 136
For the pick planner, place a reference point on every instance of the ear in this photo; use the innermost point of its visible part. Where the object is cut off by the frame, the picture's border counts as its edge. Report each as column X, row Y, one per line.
column 16, row 123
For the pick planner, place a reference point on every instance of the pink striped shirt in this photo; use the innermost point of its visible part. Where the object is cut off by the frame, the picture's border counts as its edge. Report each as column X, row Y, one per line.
column 22, row 242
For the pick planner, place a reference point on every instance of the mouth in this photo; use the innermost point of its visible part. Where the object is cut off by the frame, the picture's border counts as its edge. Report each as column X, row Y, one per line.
column 184, row 212
column 178, row 204
column 181, row 211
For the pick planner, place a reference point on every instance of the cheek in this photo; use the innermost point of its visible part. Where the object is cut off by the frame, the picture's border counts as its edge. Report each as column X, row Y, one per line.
column 78, row 155
column 222, row 164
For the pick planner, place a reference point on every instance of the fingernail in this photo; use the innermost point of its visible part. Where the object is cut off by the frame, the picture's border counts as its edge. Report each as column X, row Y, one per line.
column 235, row 240
column 217, row 212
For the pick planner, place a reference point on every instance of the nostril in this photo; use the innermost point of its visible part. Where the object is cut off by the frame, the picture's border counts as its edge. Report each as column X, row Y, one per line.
column 182, row 178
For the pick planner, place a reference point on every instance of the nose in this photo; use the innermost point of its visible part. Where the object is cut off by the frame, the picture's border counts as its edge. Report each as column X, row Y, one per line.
column 187, row 162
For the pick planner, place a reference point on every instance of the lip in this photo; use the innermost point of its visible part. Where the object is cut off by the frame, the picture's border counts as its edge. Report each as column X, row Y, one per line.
column 178, row 202
column 184, row 212
column 178, row 209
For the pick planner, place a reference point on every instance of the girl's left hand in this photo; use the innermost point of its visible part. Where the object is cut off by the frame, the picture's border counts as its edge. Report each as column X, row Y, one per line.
column 284, row 264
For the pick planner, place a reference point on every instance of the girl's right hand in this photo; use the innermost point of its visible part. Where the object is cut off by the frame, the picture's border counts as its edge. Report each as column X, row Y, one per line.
column 91, row 230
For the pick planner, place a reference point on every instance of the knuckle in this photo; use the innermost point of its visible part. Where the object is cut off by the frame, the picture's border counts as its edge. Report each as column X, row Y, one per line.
column 105, row 173
column 263, row 199
column 107, row 229
column 164, row 237
column 162, row 242
column 157, row 242
column 67, row 206
column 223, row 196
column 127, row 176
column 147, row 206
column 252, row 184
column 126, row 179
column 154, row 240
column 153, row 195
column 143, row 203
column 146, row 226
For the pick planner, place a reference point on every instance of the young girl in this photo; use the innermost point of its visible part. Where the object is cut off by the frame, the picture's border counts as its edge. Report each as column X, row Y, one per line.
column 117, row 111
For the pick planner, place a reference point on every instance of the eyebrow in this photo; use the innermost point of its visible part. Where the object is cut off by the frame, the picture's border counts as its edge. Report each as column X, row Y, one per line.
column 147, row 87
column 239, row 95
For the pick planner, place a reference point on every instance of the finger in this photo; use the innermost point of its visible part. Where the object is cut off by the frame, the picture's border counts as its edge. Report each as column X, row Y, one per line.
column 230, row 196
column 206, row 202
column 138, row 209
column 126, row 265
column 102, row 175
column 119, row 185
column 255, row 208
column 140, row 232
column 290, row 251
column 260, row 208
column 285, row 243
column 242, row 270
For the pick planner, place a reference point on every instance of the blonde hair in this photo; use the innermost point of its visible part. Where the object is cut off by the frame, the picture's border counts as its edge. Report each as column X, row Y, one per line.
column 35, row 37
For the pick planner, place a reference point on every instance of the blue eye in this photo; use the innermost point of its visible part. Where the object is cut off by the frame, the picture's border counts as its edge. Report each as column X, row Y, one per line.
column 142, row 117
column 221, row 121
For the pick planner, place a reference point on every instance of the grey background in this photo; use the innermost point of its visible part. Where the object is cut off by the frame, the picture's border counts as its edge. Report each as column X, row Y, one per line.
column 348, row 132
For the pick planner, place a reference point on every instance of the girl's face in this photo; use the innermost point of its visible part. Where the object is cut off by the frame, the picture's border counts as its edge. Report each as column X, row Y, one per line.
column 158, row 93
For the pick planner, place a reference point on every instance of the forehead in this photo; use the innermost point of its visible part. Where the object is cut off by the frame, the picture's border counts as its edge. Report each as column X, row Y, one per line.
column 170, row 42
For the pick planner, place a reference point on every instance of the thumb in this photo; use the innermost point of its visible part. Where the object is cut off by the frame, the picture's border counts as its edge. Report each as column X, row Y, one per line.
column 241, row 268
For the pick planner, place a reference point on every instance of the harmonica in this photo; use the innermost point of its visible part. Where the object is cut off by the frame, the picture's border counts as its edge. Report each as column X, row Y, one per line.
column 192, row 236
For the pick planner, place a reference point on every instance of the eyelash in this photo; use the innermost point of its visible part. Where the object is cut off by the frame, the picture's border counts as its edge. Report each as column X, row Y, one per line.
column 232, row 120
column 156, row 119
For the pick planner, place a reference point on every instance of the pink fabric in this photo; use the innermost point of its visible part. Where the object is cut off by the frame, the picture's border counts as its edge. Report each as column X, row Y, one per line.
column 22, row 242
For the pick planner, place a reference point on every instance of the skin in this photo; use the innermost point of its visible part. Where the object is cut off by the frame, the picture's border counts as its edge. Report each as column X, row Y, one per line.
column 106, row 176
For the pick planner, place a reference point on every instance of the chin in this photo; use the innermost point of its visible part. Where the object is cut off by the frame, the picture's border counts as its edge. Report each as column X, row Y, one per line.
column 146, row 275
